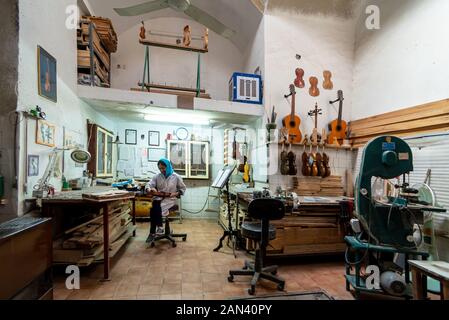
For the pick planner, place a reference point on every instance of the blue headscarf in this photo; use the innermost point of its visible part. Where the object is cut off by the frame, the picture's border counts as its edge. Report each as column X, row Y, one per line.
column 169, row 169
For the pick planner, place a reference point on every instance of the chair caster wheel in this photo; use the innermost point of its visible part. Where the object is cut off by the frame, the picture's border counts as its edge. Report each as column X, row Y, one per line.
column 184, row 239
column 152, row 245
column 251, row 291
column 173, row 244
column 281, row 287
column 231, row 278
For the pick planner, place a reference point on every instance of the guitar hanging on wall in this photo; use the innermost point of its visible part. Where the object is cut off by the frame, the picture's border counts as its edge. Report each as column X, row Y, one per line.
column 292, row 121
column 338, row 127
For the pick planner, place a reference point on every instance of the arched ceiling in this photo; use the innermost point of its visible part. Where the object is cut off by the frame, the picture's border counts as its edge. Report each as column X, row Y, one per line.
column 239, row 15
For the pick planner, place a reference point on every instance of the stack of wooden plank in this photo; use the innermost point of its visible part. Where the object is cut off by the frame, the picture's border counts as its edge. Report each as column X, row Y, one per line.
column 317, row 186
column 332, row 187
column 431, row 117
column 105, row 31
column 83, row 244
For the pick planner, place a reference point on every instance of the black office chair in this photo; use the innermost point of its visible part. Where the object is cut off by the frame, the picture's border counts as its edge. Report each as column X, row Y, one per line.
column 168, row 233
column 263, row 210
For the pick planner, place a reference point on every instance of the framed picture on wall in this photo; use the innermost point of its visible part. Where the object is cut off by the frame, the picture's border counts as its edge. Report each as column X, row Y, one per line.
column 45, row 133
column 153, row 138
column 33, row 166
column 130, row 136
column 46, row 70
column 155, row 154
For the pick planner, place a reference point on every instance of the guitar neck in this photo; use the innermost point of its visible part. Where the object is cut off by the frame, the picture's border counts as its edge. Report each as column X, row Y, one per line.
column 340, row 111
column 293, row 105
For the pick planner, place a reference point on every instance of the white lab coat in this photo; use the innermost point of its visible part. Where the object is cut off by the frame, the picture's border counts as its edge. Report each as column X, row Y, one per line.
column 172, row 184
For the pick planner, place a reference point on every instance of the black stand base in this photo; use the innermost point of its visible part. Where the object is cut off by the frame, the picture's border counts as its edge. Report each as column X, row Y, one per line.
column 231, row 237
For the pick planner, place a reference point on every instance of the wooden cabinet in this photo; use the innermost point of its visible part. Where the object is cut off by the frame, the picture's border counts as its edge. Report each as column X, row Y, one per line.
column 102, row 149
column 190, row 159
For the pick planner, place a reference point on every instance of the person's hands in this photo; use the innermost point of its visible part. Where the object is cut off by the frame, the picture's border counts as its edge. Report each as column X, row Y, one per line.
column 174, row 194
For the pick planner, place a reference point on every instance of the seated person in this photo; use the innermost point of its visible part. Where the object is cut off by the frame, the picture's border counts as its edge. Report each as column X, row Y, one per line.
column 164, row 187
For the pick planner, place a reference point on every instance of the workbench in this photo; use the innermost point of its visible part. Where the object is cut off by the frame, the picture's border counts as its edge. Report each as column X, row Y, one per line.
column 69, row 202
column 423, row 269
column 315, row 227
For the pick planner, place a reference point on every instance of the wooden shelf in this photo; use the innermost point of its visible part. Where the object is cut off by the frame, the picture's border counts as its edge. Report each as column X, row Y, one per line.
column 328, row 146
column 172, row 46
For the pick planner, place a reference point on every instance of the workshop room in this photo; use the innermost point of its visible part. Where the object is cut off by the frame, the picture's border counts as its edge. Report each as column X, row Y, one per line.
column 224, row 149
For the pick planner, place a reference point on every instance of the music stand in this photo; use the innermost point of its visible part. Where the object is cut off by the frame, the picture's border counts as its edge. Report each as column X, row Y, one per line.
column 221, row 181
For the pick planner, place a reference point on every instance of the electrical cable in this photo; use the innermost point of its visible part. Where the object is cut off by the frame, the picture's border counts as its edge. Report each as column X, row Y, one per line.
column 204, row 206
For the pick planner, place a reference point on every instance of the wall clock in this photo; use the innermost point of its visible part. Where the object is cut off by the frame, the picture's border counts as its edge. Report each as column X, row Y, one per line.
column 182, row 133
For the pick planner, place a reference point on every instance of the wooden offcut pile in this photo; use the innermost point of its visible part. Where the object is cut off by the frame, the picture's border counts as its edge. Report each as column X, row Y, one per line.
column 317, row 186
column 105, row 31
column 83, row 244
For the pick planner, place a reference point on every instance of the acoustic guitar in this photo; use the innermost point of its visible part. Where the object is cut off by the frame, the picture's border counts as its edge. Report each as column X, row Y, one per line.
column 338, row 127
column 292, row 121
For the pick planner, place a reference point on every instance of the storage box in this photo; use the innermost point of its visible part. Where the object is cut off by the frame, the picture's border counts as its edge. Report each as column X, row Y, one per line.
column 246, row 88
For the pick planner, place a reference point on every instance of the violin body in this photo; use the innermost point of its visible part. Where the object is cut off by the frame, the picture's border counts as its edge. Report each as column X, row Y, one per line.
column 314, row 91
column 327, row 171
column 337, row 131
column 284, row 163
column 306, row 170
column 299, row 81
column 327, row 83
column 246, row 169
column 292, row 170
column 313, row 165
column 142, row 31
column 292, row 124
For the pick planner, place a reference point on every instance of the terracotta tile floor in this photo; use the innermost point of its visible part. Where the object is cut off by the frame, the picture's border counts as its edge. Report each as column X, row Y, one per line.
column 193, row 271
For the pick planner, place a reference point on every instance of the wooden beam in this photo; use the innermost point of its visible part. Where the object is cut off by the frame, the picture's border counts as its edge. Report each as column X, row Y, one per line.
column 172, row 46
column 422, row 111
column 359, row 142
column 165, row 87
column 402, row 126
column 176, row 93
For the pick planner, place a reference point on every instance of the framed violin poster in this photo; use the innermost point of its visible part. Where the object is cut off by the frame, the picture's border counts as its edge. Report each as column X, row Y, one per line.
column 47, row 75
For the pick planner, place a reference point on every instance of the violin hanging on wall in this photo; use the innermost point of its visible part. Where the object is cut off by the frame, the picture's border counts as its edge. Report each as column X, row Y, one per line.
column 142, row 31
column 299, row 81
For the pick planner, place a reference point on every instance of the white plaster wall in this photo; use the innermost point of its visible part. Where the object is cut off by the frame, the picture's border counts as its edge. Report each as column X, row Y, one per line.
column 175, row 67
column 405, row 63
column 255, row 53
column 197, row 190
column 43, row 23
column 325, row 43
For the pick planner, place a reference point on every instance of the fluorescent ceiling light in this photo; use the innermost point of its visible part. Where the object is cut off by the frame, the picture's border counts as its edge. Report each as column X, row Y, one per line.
column 176, row 119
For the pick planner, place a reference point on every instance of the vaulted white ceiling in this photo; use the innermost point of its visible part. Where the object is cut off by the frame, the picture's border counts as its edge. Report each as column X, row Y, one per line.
column 240, row 15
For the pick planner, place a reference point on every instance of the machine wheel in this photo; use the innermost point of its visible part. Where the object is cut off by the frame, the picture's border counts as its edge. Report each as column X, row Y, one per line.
column 173, row 244
column 252, row 290
column 231, row 278
column 281, row 286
